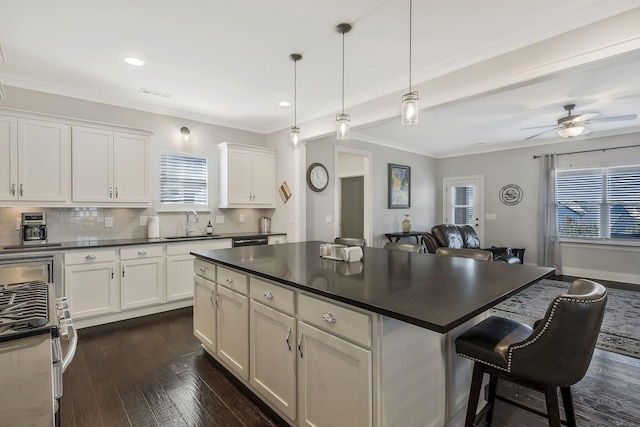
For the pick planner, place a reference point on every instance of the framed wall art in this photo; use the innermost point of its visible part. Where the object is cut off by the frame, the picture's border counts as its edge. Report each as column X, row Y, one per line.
column 399, row 180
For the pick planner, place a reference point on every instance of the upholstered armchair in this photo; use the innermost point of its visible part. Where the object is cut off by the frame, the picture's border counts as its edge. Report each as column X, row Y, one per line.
column 462, row 237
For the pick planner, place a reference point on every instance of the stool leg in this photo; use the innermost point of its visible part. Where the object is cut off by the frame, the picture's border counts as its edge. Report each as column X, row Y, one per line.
column 493, row 383
column 553, row 409
column 567, row 400
column 474, row 394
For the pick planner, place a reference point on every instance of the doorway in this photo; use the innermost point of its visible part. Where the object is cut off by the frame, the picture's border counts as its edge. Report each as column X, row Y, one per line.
column 352, row 207
column 352, row 193
column 462, row 202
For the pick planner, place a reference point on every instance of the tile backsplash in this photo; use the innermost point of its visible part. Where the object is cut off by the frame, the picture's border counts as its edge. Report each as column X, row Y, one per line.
column 77, row 224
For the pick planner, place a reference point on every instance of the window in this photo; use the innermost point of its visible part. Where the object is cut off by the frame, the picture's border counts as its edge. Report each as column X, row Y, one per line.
column 599, row 203
column 183, row 179
column 463, row 205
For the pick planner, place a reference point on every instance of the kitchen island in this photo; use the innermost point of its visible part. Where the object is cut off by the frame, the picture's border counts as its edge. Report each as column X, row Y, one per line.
column 374, row 339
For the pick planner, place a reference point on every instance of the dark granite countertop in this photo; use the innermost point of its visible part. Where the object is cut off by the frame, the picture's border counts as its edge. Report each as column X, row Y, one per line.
column 437, row 293
column 99, row 243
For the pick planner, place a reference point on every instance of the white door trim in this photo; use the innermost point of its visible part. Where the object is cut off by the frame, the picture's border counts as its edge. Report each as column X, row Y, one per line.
column 448, row 181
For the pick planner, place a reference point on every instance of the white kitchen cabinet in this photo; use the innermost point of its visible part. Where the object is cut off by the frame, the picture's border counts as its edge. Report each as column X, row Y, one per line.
column 91, row 282
column 247, row 176
column 232, row 329
column 141, row 276
column 35, row 160
column 277, row 239
column 272, row 346
column 204, row 312
column 180, row 266
column 109, row 167
column 334, row 380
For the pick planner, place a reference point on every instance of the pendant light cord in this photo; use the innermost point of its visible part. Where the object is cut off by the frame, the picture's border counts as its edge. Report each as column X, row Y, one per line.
column 410, row 32
column 343, row 73
column 295, row 93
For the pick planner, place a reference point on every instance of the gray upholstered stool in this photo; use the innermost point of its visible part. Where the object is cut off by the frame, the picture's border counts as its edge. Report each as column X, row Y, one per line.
column 554, row 354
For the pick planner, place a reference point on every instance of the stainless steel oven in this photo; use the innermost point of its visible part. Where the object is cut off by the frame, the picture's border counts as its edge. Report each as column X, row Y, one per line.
column 32, row 323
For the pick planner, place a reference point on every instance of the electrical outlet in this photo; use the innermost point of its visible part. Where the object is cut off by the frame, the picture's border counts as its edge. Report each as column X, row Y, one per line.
column 290, row 219
column 143, row 220
column 219, row 219
column 327, row 218
column 18, row 224
column 241, row 219
column 108, row 221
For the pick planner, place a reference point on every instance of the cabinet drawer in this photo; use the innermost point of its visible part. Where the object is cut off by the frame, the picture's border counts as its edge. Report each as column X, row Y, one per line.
column 272, row 295
column 331, row 317
column 204, row 269
column 90, row 257
column 277, row 240
column 140, row 252
column 181, row 248
column 233, row 280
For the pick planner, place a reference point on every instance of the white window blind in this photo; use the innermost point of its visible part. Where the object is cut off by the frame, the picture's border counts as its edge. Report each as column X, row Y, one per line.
column 599, row 203
column 183, row 179
column 463, row 205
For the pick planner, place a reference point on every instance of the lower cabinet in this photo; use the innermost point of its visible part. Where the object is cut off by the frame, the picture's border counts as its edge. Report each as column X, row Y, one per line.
column 141, row 277
column 272, row 346
column 204, row 312
column 91, row 282
column 232, row 330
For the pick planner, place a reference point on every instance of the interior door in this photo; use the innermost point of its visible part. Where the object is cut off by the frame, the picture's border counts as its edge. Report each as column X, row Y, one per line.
column 352, row 207
column 462, row 202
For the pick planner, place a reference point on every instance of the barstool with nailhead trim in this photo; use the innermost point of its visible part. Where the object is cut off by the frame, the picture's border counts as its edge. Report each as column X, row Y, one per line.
column 555, row 353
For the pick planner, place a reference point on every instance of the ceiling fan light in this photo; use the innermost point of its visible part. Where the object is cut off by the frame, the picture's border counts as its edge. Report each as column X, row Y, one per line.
column 410, row 108
column 343, row 127
column 294, row 137
column 571, row 131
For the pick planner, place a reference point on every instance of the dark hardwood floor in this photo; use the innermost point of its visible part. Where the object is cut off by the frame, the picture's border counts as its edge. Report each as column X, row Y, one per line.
column 151, row 371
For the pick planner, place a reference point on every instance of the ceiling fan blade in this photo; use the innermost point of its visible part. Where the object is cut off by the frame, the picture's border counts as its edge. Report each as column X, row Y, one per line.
column 538, row 134
column 538, row 127
column 585, row 117
column 615, row 118
column 585, row 131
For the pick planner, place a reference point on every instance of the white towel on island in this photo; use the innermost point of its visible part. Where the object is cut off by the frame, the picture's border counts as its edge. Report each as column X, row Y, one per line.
column 353, row 253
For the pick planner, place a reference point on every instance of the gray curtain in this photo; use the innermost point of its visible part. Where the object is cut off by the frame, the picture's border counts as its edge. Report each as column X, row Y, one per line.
column 548, row 241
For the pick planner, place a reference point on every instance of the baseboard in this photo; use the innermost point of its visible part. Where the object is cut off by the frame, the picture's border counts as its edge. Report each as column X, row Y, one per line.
column 602, row 275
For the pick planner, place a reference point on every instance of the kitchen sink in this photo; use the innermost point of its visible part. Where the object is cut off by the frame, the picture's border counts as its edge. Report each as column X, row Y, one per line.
column 208, row 236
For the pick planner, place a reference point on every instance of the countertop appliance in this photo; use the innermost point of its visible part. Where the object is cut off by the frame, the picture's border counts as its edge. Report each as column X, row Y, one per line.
column 34, row 228
column 264, row 225
column 249, row 241
column 32, row 323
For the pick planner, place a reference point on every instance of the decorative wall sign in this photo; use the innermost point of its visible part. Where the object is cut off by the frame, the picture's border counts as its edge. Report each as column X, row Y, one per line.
column 285, row 192
column 399, row 186
column 510, row 194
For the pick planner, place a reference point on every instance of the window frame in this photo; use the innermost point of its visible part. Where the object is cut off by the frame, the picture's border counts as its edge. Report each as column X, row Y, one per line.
column 181, row 207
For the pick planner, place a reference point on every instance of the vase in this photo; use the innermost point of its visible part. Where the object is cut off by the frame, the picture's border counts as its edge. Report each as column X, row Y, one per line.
column 406, row 224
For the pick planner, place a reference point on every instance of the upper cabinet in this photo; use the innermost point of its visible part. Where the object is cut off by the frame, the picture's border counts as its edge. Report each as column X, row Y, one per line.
column 247, row 176
column 109, row 167
column 34, row 160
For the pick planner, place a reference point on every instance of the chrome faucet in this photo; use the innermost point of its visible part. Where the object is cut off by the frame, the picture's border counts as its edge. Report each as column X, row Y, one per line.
column 188, row 223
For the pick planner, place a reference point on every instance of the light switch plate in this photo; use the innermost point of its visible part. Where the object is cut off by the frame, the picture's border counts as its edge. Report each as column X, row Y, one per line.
column 327, row 218
column 490, row 216
column 143, row 220
column 290, row 219
column 108, row 221
column 241, row 218
column 219, row 219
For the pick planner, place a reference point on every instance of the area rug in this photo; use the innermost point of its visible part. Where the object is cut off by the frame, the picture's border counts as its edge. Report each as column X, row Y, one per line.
column 620, row 331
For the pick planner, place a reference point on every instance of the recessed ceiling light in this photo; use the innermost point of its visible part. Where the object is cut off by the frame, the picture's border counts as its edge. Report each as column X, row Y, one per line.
column 284, row 104
column 134, row 61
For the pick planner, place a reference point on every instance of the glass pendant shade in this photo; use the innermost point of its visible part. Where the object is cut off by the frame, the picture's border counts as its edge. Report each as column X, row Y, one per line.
column 294, row 137
column 410, row 108
column 571, row 131
column 343, row 127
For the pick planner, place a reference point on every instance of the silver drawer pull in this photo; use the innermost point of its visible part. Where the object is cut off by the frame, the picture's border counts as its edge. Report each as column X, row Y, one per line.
column 229, row 279
column 90, row 256
column 202, row 269
column 142, row 252
column 268, row 295
column 328, row 317
column 289, row 336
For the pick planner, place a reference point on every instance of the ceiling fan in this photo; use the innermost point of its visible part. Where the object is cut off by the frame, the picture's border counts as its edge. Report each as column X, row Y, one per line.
column 573, row 124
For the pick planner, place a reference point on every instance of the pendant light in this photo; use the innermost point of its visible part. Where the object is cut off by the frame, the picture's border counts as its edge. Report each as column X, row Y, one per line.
column 410, row 100
column 343, row 131
column 294, row 135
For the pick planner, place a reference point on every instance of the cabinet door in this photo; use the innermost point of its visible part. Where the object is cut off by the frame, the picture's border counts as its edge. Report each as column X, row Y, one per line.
column 204, row 312
column 233, row 330
column 44, row 155
column 92, row 165
column 130, row 171
column 239, row 180
column 334, row 380
column 273, row 356
column 91, row 289
column 179, row 277
column 141, row 283
column 8, row 158
column 263, row 169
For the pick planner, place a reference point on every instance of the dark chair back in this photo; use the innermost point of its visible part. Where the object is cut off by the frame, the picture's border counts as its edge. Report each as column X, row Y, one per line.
column 477, row 254
column 559, row 349
column 448, row 236
column 407, row 247
column 350, row 241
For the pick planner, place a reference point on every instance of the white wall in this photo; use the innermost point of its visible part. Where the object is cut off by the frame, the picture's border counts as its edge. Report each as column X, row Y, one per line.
column 517, row 225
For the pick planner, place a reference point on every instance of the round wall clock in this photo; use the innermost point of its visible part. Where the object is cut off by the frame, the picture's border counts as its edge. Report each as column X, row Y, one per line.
column 511, row 194
column 317, row 177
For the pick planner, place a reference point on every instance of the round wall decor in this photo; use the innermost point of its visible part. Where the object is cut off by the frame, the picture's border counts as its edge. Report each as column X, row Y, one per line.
column 510, row 194
column 317, row 177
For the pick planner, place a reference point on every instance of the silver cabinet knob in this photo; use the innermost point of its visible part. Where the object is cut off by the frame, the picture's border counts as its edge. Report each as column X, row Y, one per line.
column 229, row 279
column 268, row 295
column 90, row 256
column 202, row 269
column 142, row 252
column 328, row 317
